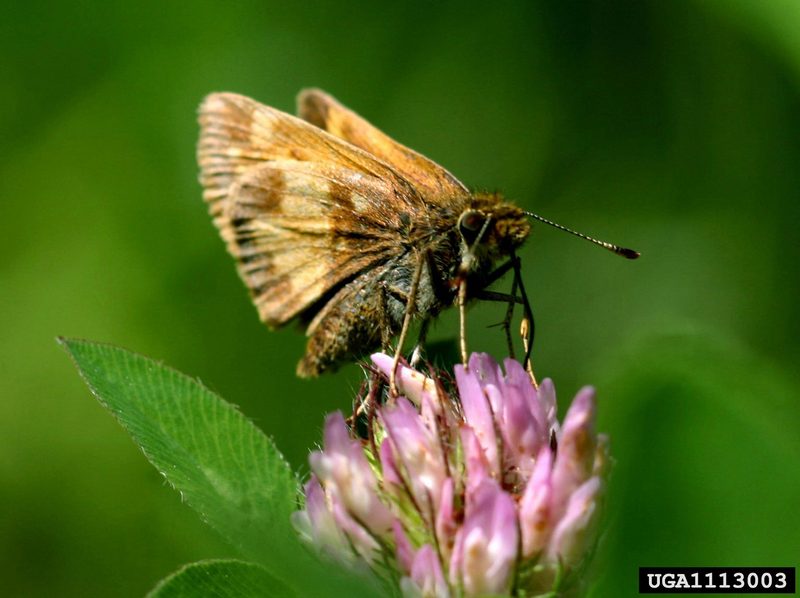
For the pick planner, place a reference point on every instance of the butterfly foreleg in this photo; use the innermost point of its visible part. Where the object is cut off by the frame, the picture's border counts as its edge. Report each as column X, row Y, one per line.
column 511, row 300
column 501, row 270
column 528, row 327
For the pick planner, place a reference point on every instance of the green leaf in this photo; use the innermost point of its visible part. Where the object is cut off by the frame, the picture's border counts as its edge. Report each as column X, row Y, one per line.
column 222, row 579
column 222, row 464
column 224, row 467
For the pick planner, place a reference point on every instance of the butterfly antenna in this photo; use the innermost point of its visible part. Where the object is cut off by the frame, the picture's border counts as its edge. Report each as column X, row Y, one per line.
column 623, row 251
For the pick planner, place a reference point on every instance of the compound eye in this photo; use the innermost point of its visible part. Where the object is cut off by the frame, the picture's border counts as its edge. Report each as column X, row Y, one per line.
column 470, row 224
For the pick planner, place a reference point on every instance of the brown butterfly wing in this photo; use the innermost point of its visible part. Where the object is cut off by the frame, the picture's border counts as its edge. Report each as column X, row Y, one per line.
column 434, row 183
column 302, row 212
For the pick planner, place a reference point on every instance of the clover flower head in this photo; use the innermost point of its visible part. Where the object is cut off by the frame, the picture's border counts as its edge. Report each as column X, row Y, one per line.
column 470, row 491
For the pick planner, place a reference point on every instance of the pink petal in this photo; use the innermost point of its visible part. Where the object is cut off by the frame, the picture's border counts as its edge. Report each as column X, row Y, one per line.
column 446, row 525
column 344, row 471
column 576, row 448
column 538, row 403
column 534, row 508
column 478, row 414
column 572, row 536
column 391, row 475
column 427, row 575
column 410, row 383
column 476, row 465
column 602, row 460
column 486, row 369
column 547, row 399
column 522, row 433
column 317, row 521
column 363, row 543
column 486, row 546
column 419, row 452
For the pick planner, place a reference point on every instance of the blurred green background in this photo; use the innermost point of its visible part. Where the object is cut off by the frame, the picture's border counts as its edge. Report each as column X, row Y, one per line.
column 671, row 127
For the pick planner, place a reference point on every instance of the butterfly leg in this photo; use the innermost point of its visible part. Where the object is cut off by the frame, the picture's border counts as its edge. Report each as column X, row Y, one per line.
column 528, row 326
column 511, row 300
column 501, row 271
column 416, row 354
column 410, row 308
column 462, row 316
column 509, row 317
column 385, row 326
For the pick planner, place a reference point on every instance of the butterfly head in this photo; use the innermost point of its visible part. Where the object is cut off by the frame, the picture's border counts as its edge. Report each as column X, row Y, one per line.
column 490, row 229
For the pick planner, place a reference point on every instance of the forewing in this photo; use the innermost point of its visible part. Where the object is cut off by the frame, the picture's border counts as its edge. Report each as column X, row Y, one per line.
column 434, row 183
column 237, row 133
column 301, row 211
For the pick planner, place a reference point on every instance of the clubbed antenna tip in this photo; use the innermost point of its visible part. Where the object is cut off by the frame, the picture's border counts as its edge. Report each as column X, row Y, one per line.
column 628, row 253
